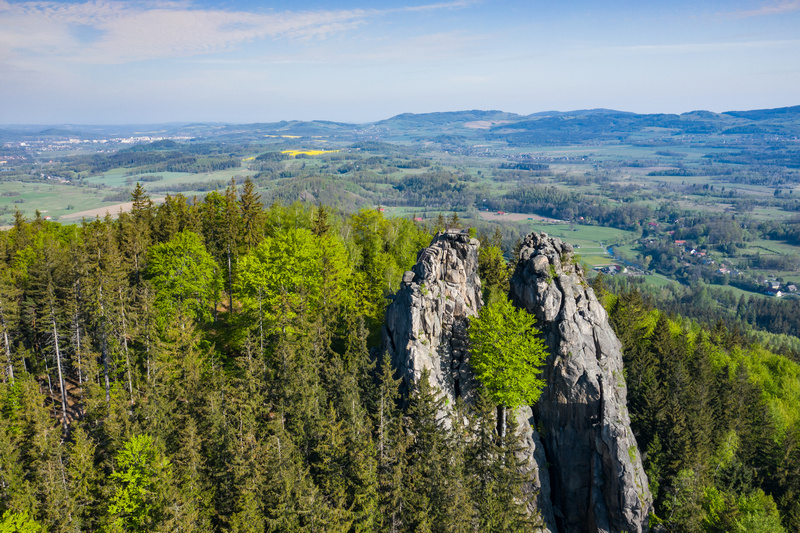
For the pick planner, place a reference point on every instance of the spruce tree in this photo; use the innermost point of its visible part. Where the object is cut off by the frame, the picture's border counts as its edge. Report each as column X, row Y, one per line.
column 251, row 212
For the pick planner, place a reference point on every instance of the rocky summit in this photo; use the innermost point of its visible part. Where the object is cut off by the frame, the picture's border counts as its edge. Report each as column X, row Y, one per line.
column 426, row 328
column 597, row 480
column 426, row 324
column 587, row 471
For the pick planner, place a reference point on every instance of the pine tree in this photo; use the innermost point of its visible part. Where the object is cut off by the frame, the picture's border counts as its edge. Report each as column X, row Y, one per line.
column 391, row 443
column 47, row 279
column 230, row 232
column 105, row 280
column 320, row 225
column 9, row 321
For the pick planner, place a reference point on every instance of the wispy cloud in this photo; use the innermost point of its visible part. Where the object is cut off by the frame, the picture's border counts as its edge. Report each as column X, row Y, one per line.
column 781, row 8
column 112, row 31
column 693, row 48
column 441, row 5
column 418, row 50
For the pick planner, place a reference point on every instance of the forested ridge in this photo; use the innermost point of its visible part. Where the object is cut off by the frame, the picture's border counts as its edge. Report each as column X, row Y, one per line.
column 205, row 365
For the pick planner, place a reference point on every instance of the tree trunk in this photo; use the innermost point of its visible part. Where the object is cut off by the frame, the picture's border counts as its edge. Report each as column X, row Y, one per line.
column 8, row 355
column 104, row 348
column 230, row 282
column 77, row 322
column 260, row 323
column 60, row 374
column 501, row 422
column 125, row 344
column 7, row 345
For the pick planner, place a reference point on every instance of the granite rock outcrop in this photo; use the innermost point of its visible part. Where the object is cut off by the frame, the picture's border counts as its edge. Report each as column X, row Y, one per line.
column 426, row 329
column 596, row 476
column 426, row 324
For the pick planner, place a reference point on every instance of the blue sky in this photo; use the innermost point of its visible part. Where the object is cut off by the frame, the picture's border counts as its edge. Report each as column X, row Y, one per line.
column 106, row 61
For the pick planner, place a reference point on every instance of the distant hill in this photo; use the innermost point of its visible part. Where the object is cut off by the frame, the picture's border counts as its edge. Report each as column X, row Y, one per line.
column 786, row 113
column 546, row 127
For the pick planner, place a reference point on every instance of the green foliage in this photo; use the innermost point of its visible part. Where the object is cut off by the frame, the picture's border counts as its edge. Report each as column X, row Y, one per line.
column 18, row 523
column 506, row 353
column 493, row 271
column 714, row 417
column 293, row 270
column 277, row 417
column 139, row 482
column 184, row 276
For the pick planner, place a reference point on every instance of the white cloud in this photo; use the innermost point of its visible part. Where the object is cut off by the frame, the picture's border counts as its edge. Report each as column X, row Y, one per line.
column 112, row 31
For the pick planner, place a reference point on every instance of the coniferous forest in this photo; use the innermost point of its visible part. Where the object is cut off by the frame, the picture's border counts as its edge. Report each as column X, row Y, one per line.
column 213, row 365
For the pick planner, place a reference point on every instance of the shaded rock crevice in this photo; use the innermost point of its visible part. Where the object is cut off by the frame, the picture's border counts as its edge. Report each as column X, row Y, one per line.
column 597, row 478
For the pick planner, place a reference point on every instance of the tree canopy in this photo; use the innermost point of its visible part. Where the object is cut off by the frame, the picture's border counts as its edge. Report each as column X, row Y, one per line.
column 507, row 353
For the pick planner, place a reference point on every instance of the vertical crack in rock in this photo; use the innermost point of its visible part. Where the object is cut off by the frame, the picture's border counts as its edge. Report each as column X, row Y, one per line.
column 426, row 328
column 597, row 480
column 426, row 324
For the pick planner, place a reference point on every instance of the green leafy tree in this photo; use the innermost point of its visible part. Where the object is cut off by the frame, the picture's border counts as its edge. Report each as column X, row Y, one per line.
column 286, row 271
column 184, row 276
column 506, row 355
column 139, row 486
column 18, row 523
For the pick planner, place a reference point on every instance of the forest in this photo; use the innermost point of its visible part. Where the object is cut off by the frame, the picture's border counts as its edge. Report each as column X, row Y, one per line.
column 212, row 365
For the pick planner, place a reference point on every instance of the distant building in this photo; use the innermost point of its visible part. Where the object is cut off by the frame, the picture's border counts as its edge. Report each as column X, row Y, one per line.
column 791, row 288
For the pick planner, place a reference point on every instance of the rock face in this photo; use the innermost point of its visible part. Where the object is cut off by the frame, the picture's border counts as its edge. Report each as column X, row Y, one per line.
column 426, row 324
column 597, row 480
column 426, row 328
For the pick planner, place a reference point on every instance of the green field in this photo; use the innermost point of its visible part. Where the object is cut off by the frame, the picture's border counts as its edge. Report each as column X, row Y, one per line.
column 584, row 236
column 51, row 200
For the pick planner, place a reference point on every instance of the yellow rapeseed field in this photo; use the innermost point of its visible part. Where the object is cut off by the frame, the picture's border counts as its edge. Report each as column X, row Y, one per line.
column 294, row 153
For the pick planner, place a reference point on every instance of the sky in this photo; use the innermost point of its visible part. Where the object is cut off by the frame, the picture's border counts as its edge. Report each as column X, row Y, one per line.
column 243, row 61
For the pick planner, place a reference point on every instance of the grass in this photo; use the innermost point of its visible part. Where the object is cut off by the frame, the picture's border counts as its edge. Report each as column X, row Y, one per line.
column 659, row 281
column 595, row 260
column 589, row 236
column 50, row 199
column 763, row 246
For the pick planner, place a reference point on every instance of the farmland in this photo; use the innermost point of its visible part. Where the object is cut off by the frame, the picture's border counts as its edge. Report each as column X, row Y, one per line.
column 639, row 183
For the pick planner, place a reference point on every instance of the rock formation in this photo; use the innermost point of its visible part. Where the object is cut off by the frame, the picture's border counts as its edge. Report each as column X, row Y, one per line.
column 426, row 329
column 426, row 324
column 597, row 480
